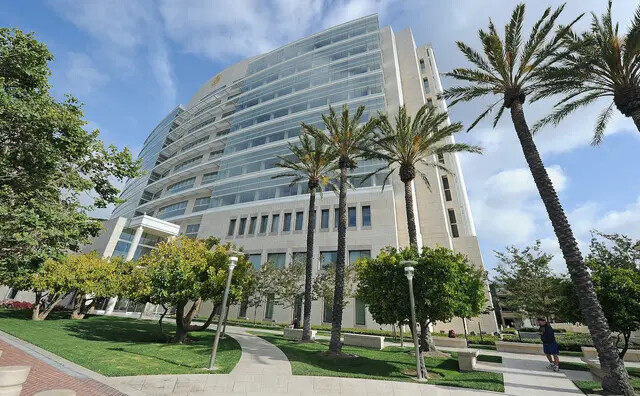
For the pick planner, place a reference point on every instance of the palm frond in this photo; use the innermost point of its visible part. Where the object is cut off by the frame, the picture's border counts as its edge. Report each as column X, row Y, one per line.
column 601, row 125
column 484, row 114
column 564, row 110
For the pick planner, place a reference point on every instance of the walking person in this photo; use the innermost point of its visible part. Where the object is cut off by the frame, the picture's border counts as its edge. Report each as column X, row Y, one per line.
column 549, row 344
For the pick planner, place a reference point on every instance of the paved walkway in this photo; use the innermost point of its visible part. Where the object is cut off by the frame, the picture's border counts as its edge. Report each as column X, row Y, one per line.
column 48, row 374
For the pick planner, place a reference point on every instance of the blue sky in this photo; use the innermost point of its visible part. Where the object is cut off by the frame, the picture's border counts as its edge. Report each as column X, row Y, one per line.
column 131, row 62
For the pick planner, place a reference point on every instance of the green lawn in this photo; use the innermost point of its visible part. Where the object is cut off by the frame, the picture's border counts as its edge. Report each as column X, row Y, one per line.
column 115, row 346
column 594, row 387
column 481, row 358
column 387, row 364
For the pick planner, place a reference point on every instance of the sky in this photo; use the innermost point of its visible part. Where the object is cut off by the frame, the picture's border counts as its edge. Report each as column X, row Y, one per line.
column 131, row 62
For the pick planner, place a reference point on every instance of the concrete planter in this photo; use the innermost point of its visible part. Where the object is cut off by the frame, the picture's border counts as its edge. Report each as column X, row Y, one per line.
column 632, row 355
column 364, row 340
column 57, row 392
column 296, row 334
column 594, row 368
column 519, row 347
column 467, row 359
column 12, row 378
column 450, row 342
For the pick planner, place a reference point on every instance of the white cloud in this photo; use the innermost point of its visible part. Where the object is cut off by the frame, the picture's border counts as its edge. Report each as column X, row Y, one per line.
column 251, row 27
column 81, row 75
column 130, row 36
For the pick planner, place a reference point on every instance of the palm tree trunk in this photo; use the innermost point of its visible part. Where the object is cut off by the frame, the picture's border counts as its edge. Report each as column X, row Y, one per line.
column 636, row 119
column 411, row 220
column 616, row 379
column 311, row 221
column 335, row 345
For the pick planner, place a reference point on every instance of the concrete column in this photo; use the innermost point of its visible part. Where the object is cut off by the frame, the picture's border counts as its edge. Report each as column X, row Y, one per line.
column 134, row 243
column 132, row 250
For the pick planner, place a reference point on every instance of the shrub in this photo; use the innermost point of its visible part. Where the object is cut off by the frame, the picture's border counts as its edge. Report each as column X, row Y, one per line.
column 15, row 304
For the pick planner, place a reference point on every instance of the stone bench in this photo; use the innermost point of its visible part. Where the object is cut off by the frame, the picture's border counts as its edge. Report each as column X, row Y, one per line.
column 632, row 355
column 12, row 378
column 450, row 342
column 56, row 392
column 364, row 340
column 296, row 334
column 519, row 347
column 467, row 359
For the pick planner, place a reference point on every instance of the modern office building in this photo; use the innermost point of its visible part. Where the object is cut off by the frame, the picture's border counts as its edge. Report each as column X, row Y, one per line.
column 210, row 164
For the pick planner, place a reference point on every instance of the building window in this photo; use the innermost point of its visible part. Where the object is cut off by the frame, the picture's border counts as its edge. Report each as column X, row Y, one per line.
column 232, row 227
column 176, row 209
column 188, row 163
column 447, row 189
column 356, row 254
column 263, row 224
column 425, row 84
column 201, row 204
column 209, row 178
column 299, row 257
column 423, row 67
column 275, row 222
column 192, row 230
column 299, row 220
column 181, row 185
column 268, row 312
column 277, row 259
column 328, row 258
column 324, row 219
column 286, row 227
column 336, row 218
column 454, row 224
column 243, row 225
column 366, row 216
column 361, row 313
column 256, row 260
column 352, row 216
column 327, row 313
column 441, row 158
column 252, row 225
column 430, row 102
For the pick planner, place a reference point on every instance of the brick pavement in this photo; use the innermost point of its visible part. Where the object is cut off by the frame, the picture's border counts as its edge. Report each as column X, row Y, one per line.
column 44, row 376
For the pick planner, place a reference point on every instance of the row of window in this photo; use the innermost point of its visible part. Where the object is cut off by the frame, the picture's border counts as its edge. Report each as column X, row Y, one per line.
column 365, row 217
column 287, row 221
column 327, row 257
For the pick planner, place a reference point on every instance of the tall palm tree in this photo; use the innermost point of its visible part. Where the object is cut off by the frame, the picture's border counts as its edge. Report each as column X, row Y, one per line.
column 410, row 146
column 346, row 135
column 512, row 70
column 314, row 161
column 596, row 64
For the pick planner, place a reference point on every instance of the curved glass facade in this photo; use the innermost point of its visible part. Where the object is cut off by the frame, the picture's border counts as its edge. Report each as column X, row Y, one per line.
column 223, row 149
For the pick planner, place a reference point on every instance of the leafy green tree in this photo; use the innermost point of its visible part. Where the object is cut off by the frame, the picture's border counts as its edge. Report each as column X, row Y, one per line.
column 445, row 286
column 599, row 63
column 47, row 162
column 512, row 70
column 614, row 261
column 411, row 146
column 325, row 280
column 313, row 161
column 526, row 280
column 346, row 136
column 92, row 277
column 185, row 270
column 288, row 284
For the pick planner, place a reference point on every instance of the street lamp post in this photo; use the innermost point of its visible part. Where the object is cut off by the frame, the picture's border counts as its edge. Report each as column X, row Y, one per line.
column 408, row 272
column 233, row 260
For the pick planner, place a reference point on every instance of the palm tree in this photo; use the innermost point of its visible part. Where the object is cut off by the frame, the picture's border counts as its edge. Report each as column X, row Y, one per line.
column 314, row 161
column 512, row 70
column 346, row 135
column 411, row 145
column 596, row 64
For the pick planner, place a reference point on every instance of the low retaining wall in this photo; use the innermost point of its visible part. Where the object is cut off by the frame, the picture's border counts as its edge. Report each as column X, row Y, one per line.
column 364, row 340
column 519, row 347
column 450, row 342
column 296, row 334
column 632, row 355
